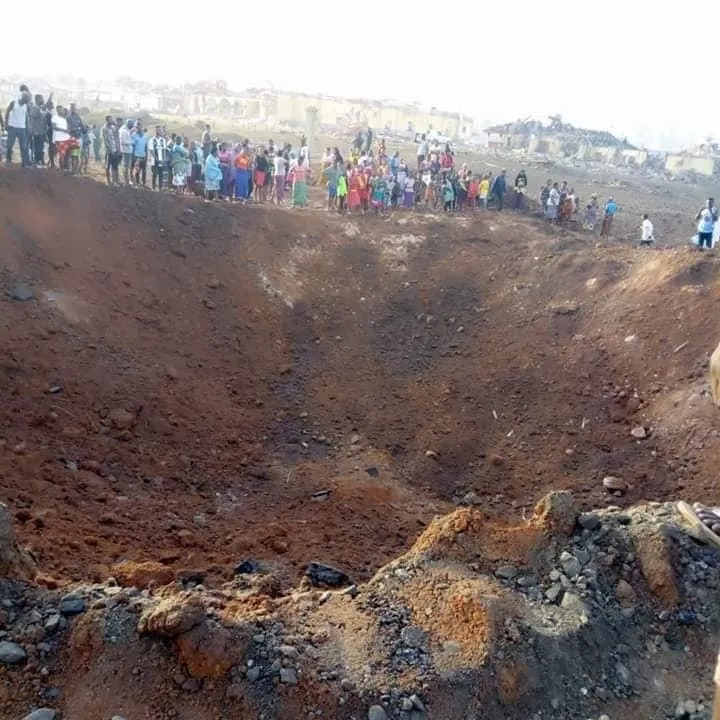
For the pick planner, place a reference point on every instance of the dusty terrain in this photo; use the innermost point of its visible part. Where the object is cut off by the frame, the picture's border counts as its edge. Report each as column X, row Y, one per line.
column 189, row 386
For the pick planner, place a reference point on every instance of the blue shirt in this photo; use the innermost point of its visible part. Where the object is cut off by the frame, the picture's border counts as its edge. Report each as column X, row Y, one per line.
column 139, row 145
column 611, row 208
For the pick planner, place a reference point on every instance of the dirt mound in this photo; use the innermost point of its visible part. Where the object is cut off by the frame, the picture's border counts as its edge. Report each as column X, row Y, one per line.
column 195, row 390
column 581, row 626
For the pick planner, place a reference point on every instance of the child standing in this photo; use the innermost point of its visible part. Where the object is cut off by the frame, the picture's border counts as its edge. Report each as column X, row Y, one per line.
column 342, row 190
column 448, row 194
column 484, row 191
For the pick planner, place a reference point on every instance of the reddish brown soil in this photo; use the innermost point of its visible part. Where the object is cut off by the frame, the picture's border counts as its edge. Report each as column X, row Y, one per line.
column 251, row 344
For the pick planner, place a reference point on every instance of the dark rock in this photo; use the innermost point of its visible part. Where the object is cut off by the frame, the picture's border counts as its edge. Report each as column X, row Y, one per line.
column 73, row 605
column 11, row 653
column 589, row 522
column 253, row 674
column 248, row 567
column 288, row 676
column 320, row 574
column 506, row 572
column 21, row 292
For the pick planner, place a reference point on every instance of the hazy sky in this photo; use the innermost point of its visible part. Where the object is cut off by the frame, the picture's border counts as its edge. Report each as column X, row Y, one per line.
column 625, row 66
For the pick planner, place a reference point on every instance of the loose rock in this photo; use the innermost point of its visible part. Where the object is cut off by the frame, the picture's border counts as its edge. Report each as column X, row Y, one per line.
column 614, row 484
column 506, row 572
column 320, row 574
column 288, row 676
column 41, row 714
column 376, row 712
column 72, row 605
column 11, row 653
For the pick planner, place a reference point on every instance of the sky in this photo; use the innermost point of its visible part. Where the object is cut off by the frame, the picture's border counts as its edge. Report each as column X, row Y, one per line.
column 636, row 69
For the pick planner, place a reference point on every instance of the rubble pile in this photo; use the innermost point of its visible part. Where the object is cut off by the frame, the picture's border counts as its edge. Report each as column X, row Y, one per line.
column 564, row 615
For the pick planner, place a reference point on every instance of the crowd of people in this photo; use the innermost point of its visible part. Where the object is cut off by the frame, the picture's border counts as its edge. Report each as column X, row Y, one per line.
column 369, row 180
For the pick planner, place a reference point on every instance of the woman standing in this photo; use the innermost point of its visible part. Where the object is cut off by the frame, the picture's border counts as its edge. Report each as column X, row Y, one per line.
column 180, row 161
column 213, row 174
column 242, row 175
column 354, row 188
column 225, row 159
column 409, row 192
column 299, row 176
column 262, row 168
column 279, row 172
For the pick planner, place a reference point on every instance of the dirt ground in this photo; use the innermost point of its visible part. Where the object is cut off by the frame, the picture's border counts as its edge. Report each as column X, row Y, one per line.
column 188, row 379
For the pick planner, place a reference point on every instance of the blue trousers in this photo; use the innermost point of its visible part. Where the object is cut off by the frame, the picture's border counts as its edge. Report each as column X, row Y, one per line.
column 21, row 135
column 242, row 180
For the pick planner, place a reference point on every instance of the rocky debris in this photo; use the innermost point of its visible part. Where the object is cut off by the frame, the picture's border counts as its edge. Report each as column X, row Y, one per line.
column 376, row 712
column 173, row 616
column 557, row 512
column 288, row 676
column 42, row 714
column 208, row 651
column 506, row 572
column 247, row 567
column 653, row 554
column 11, row 653
column 324, row 575
column 449, row 616
column 14, row 563
column 72, row 605
column 614, row 484
column 141, row 575
column 639, row 432
column 121, row 419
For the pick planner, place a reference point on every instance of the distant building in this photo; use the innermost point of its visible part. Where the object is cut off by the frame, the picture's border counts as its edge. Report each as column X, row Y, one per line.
column 563, row 140
column 681, row 163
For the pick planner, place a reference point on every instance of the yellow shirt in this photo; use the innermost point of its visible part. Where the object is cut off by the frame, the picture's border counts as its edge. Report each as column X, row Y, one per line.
column 484, row 188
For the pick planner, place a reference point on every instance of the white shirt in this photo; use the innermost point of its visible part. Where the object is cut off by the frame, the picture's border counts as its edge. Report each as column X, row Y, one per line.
column 305, row 153
column 60, row 134
column 156, row 149
column 279, row 165
column 126, row 143
column 553, row 198
column 18, row 115
column 647, row 230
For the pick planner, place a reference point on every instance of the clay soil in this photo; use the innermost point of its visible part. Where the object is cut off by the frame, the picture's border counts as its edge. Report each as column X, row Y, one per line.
column 187, row 376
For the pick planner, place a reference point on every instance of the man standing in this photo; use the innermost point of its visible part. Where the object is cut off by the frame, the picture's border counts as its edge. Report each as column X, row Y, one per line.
column 16, row 121
column 140, row 155
column 422, row 152
column 126, row 146
column 76, row 129
column 113, row 152
column 38, row 130
column 611, row 209
column 499, row 188
column 206, row 141
column 157, row 150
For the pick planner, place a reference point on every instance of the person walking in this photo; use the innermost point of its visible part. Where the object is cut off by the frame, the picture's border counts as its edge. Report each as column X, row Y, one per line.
column 647, row 231
column 499, row 188
column 611, row 209
column 520, row 188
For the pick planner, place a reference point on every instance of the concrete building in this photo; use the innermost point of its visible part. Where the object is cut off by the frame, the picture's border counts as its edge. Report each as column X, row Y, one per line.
column 685, row 163
column 291, row 108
